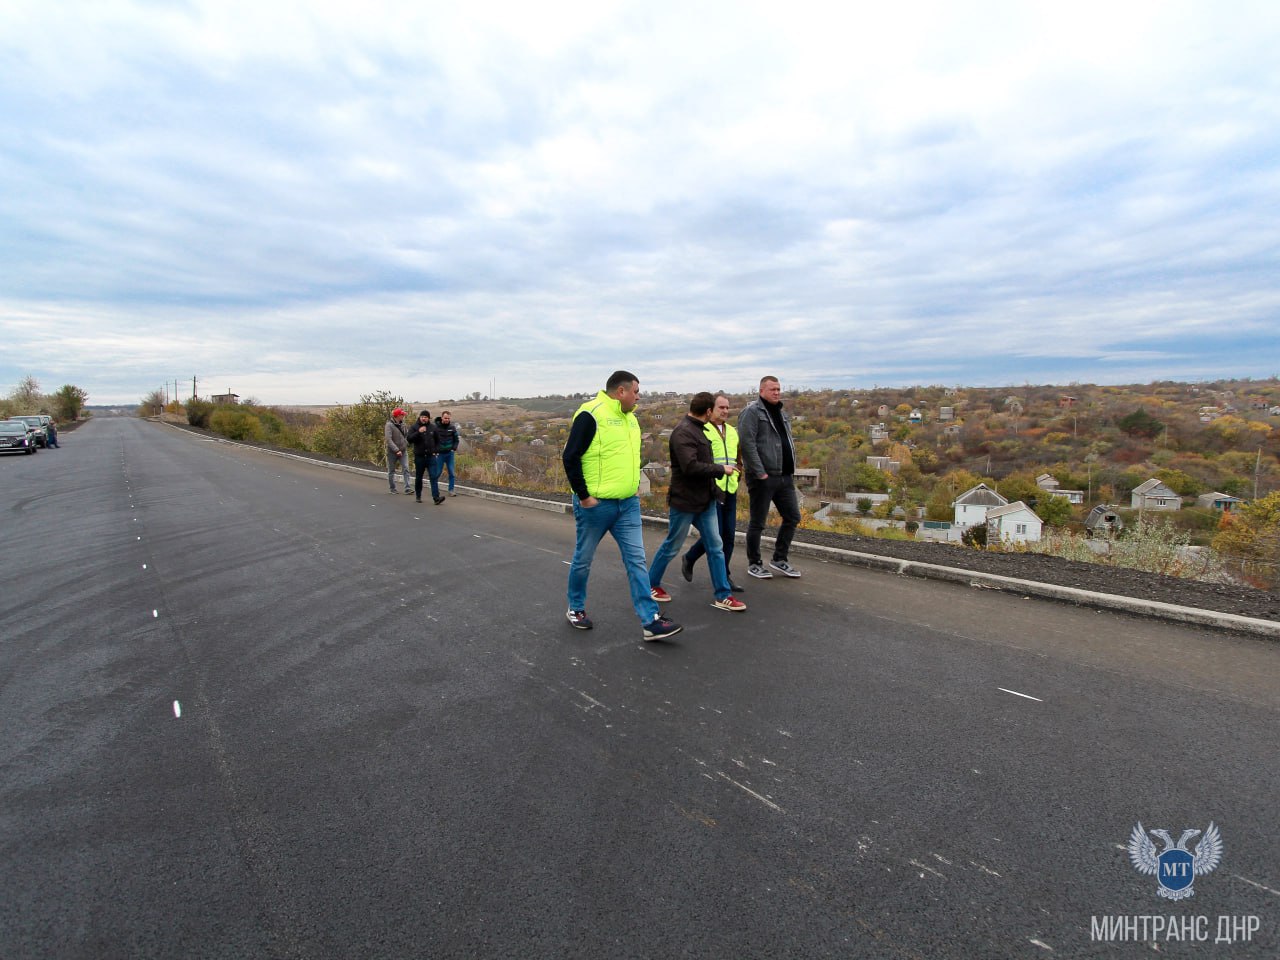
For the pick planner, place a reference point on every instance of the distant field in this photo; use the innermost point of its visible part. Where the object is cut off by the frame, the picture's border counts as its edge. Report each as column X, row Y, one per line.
column 461, row 409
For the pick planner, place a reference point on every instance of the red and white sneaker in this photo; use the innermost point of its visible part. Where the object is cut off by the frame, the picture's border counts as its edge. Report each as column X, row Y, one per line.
column 660, row 595
column 732, row 604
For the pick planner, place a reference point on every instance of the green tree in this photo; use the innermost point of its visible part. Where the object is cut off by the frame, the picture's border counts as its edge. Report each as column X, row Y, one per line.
column 68, row 402
column 26, row 396
column 1053, row 509
column 1140, row 424
column 1252, row 535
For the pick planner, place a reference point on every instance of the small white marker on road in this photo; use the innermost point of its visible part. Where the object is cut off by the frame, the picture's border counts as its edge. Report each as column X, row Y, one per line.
column 1017, row 694
column 155, row 613
column 177, row 709
column 144, row 566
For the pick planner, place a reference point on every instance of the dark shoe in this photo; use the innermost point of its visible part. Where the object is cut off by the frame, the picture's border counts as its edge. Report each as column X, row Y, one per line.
column 661, row 628
column 408, row 492
column 419, row 499
column 686, row 568
column 393, row 489
column 784, row 568
column 759, row 572
column 735, row 588
column 579, row 619
column 439, row 500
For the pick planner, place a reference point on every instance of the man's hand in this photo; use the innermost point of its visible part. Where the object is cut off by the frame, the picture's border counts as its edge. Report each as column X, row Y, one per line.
column 589, row 502
column 730, row 470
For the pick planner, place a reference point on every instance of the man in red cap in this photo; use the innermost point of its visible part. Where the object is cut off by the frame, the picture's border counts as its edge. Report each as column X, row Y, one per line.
column 397, row 449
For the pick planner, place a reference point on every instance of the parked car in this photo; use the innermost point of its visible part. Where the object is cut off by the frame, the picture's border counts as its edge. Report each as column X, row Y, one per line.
column 37, row 425
column 16, row 437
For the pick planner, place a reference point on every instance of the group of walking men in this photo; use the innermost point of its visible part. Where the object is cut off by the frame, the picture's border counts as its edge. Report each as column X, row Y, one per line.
column 434, row 444
column 708, row 459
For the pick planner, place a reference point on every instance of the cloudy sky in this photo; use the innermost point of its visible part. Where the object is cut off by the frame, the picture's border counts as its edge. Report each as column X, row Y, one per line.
column 304, row 202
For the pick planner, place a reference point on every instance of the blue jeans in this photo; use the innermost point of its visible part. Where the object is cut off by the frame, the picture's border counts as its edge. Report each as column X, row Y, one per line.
column 394, row 460
column 446, row 462
column 622, row 519
column 708, row 524
column 728, row 513
column 433, row 473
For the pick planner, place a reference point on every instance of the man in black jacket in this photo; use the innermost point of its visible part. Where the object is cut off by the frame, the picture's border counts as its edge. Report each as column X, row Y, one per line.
column 447, row 444
column 769, row 461
column 692, row 498
column 422, row 436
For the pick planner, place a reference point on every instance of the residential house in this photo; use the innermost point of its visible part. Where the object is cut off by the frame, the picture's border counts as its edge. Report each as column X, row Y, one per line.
column 1103, row 521
column 1049, row 483
column 1066, row 403
column 1013, row 523
column 887, row 464
column 971, row 506
column 879, row 433
column 1155, row 495
column 946, row 413
column 915, row 416
column 808, row 478
column 882, row 410
column 227, row 397
column 1223, row 502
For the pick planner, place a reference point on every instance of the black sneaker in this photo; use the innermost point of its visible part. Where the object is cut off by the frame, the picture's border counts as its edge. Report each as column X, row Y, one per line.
column 419, row 499
column 661, row 629
column 686, row 568
column 407, row 492
column 439, row 500
column 579, row 619
column 735, row 588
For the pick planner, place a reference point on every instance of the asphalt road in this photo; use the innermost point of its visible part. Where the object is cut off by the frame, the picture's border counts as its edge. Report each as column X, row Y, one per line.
column 257, row 708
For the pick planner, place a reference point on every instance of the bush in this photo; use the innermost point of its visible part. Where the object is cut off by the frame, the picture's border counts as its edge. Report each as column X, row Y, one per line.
column 975, row 536
column 236, row 424
column 198, row 412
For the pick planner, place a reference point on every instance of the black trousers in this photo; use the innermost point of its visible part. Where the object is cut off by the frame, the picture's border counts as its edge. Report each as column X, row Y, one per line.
column 779, row 491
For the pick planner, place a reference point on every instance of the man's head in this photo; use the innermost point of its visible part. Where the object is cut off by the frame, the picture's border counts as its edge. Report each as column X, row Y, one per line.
column 625, row 388
column 397, row 414
column 701, row 404
column 445, row 418
column 720, row 410
column 770, row 389
column 424, row 416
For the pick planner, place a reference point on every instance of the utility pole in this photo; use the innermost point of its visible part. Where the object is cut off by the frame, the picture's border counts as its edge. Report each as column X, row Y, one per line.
column 1257, row 468
column 193, row 386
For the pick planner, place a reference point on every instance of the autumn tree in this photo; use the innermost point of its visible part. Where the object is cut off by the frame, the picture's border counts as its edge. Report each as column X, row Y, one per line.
column 1251, row 535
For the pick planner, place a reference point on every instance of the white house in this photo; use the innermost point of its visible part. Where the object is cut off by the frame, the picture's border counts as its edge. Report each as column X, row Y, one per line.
column 1154, row 495
column 1049, row 483
column 1218, row 501
column 1013, row 523
column 971, row 506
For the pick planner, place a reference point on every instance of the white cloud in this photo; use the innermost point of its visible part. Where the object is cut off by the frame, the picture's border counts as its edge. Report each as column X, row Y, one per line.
column 269, row 192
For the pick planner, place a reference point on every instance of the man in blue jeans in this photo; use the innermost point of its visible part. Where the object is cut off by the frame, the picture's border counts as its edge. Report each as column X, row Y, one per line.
column 447, row 443
column 602, row 460
column 693, row 497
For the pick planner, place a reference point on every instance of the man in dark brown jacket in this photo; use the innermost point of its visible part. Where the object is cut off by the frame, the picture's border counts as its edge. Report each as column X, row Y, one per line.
column 692, row 498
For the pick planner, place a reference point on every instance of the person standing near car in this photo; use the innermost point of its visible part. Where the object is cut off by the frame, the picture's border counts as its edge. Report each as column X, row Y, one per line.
column 397, row 443
column 422, row 436
column 769, row 459
column 447, row 443
column 602, row 461
column 52, row 428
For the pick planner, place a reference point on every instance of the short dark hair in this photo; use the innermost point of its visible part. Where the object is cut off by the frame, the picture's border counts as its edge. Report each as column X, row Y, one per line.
column 767, row 378
column 618, row 378
column 446, row 413
column 701, row 403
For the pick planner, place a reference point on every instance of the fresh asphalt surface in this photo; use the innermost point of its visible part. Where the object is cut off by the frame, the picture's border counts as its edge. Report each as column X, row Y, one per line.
column 258, row 708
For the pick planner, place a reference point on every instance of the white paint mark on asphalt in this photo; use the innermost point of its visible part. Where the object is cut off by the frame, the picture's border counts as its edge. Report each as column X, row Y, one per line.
column 1044, row 945
column 920, row 866
column 476, row 535
column 144, row 566
column 177, row 709
column 765, row 800
column 567, row 563
column 591, row 700
column 139, row 538
column 1017, row 694
column 155, row 613
column 940, row 859
column 988, row 870
column 1236, row 876
column 785, row 733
